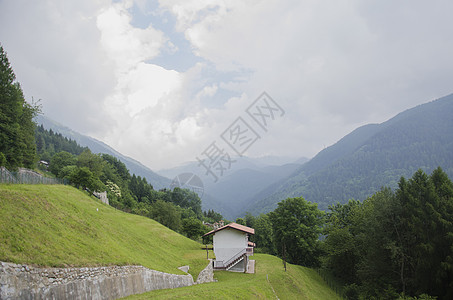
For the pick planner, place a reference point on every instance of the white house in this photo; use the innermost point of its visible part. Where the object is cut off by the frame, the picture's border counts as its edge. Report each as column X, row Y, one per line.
column 232, row 247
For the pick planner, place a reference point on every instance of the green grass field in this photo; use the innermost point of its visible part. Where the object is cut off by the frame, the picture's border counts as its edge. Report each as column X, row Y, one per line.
column 59, row 226
column 56, row 225
column 296, row 283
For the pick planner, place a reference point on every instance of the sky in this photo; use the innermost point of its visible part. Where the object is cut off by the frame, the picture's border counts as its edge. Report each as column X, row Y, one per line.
column 166, row 82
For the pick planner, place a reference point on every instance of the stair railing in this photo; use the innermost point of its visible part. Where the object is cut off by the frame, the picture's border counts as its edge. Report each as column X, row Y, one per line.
column 234, row 257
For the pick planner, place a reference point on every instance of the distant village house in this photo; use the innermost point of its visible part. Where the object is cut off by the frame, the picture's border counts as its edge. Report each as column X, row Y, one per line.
column 214, row 225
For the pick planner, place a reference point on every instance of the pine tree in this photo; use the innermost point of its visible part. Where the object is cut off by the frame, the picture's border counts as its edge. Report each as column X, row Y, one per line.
column 16, row 119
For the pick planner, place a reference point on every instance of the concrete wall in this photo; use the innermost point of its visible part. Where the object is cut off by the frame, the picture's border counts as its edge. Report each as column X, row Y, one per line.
column 228, row 242
column 26, row 282
column 102, row 196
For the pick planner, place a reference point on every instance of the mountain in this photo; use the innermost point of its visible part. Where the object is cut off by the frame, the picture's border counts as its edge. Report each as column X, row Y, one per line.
column 247, row 177
column 96, row 146
column 370, row 157
column 234, row 190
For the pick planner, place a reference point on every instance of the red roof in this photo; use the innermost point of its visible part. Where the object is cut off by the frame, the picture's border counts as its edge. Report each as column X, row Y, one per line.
column 233, row 226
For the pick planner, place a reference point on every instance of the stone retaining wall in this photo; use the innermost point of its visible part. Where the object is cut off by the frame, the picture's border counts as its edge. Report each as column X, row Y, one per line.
column 26, row 282
column 206, row 275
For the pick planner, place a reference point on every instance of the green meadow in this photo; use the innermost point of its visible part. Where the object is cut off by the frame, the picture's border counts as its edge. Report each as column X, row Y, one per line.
column 270, row 281
column 56, row 225
column 60, row 226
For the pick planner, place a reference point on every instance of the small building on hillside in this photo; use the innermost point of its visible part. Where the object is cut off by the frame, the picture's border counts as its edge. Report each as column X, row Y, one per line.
column 232, row 247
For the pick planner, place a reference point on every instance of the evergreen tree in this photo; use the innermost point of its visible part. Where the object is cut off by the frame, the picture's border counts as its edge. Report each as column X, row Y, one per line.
column 396, row 242
column 16, row 119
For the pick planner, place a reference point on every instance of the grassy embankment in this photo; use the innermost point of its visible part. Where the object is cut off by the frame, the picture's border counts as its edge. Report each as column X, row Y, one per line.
column 56, row 225
column 62, row 226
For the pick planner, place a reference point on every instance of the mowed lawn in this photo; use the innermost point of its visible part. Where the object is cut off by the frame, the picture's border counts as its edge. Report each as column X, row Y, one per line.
column 58, row 226
column 269, row 282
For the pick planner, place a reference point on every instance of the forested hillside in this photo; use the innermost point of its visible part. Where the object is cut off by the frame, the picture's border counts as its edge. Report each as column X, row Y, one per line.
column 48, row 143
column 370, row 157
column 135, row 167
column 394, row 244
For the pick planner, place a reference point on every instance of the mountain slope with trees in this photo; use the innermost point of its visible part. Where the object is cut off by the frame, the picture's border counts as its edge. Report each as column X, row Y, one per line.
column 135, row 167
column 395, row 242
column 393, row 245
column 370, row 157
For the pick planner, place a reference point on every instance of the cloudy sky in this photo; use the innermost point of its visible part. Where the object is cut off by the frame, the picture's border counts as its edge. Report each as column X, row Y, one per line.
column 161, row 80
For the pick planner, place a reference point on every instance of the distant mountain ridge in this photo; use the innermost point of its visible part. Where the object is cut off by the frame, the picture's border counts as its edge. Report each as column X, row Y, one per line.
column 370, row 157
column 96, row 146
column 249, row 176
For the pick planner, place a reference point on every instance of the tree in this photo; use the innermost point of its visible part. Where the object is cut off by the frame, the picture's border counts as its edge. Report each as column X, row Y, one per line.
column 92, row 161
column 2, row 160
column 249, row 220
column 67, row 171
column 166, row 214
column 240, row 221
column 296, row 225
column 378, row 237
column 193, row 228
column 16, row 119
column 340, row 244
column 61, row 160
column 83, row 177
column 118, row 165
column 264, row 237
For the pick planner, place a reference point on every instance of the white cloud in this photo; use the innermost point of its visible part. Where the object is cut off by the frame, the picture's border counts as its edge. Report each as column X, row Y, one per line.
column 126, row 45
column 331, row 65
column 54, row 51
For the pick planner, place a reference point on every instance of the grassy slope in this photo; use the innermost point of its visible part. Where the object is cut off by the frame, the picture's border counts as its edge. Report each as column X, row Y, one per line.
column 297, row 283
column 62, row 226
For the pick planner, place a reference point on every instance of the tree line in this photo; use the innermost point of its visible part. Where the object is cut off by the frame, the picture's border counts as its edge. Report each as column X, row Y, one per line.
column 48, row 143
column 393, row 245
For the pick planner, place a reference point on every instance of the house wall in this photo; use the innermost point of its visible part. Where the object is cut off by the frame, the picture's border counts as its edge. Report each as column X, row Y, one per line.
column 228, row 242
